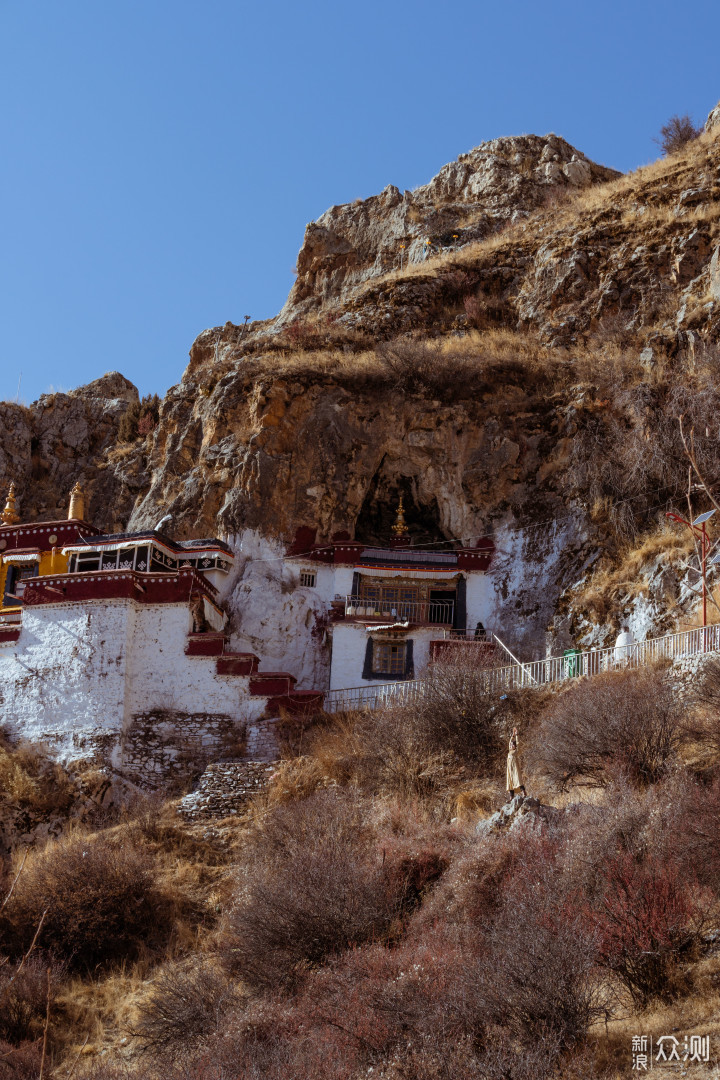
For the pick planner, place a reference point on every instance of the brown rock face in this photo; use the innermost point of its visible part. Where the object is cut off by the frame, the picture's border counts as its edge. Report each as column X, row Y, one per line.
column 300, row 450
column 62, row 438
column 496, row 184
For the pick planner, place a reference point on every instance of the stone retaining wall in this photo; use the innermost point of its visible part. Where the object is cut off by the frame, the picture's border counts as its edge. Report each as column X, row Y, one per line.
column 225, row 787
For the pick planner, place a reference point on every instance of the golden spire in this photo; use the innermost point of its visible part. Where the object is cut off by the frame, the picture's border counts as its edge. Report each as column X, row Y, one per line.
column 10, row 515
column 77, row 504
column 400, row 528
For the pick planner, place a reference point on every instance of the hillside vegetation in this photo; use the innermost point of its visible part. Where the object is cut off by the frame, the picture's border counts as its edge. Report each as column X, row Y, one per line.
column 354, row 920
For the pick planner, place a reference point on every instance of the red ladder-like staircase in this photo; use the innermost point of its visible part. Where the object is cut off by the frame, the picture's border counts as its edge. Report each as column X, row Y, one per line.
column 277, row 686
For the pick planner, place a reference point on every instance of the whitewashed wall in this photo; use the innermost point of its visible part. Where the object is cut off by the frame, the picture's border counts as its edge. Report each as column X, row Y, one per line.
column 273, row 616
column 82, row 674
column 348, row 654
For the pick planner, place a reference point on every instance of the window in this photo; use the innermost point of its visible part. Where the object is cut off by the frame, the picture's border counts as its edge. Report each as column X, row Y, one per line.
column 88, row 560
column 308, row 579
column 389, row 657
column 15, row 582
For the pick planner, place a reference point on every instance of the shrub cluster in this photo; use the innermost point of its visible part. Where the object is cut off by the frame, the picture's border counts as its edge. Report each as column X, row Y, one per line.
column 313, row 884
column 139, row 419
column 88, row 899
column 628, row 723
column 677, row 133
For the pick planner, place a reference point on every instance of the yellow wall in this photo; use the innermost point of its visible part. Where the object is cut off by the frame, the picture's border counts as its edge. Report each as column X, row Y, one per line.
column 48, row 565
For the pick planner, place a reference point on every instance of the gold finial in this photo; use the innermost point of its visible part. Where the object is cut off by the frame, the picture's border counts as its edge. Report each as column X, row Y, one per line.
column 77, row 504
column 10, row 515
column 400, row 528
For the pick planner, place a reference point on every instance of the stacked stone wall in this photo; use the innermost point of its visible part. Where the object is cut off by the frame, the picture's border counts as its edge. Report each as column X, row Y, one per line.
column 164, row 746
column 225, row 789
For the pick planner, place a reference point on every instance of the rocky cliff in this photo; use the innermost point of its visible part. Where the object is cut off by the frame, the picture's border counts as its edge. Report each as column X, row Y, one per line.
column 524, row 380
column 496, row 184
column 61, row 438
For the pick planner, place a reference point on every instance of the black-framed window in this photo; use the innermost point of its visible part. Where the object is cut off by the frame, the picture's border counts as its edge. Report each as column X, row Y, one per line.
column 15, row 581
column 388, row 659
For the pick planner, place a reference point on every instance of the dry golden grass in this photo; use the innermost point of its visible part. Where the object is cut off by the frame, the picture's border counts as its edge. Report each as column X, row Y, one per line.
column 32, row 781
column 625, row 578
column 478, row 801
column 578, row 210
column 696, row 1014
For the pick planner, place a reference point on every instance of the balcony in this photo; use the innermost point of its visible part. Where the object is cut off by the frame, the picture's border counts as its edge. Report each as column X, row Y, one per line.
column 420, row 612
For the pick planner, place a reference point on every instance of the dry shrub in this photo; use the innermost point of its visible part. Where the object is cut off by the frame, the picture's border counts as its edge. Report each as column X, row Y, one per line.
column 414, row 364
column 97, row 900
column 311, row 885
column 432, row 749
column 457, row 714
column 471, row 892
column 186, row 1007
column 694, row 836
column 677, row 133
column 621, row 723
column 20, row 1062
column 385, row 754
column 649, row 918
column 31, row 781
column 23, row 997
column 706, row 694
column 422, row 365
column 541, row 979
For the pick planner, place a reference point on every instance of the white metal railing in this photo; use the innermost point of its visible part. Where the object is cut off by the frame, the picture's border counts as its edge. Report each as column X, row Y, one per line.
column 433, row 612
column 554, row 669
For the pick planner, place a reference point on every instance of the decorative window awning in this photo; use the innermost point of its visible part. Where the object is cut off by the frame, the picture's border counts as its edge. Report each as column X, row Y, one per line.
column 21, row 557
column 98, row 549
column 420, row 575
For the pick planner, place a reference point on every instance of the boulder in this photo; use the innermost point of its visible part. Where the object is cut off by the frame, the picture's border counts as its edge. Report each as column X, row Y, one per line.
column 713, row 119
column 521, row 812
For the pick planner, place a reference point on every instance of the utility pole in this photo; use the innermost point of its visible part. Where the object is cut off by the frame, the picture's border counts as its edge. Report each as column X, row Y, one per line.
column 698, row 527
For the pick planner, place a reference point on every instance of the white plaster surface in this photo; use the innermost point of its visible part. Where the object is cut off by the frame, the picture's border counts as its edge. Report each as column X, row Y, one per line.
column 272, row 615
column 528, row 572
column 348, row 653
column 80, row 674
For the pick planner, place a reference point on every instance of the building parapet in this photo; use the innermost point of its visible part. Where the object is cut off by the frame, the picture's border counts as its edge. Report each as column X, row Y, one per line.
column 153, row 588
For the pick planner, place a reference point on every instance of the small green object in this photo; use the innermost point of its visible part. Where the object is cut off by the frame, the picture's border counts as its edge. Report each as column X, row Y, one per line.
column 571, row 663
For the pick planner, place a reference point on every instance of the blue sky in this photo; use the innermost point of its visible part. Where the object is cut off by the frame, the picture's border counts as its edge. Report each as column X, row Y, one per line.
column 161, row 157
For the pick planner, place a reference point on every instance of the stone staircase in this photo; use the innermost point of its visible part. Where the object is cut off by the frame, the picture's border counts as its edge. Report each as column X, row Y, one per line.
column 277, row 687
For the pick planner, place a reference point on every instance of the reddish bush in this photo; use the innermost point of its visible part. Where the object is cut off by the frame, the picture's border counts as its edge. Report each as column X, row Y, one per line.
column 23, row 997
column 20, row 1062
column 648, row 918
column 695, row 836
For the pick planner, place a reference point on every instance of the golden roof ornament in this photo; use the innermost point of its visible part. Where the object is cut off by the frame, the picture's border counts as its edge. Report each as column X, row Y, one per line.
column 77, row 504
column 400, row 528
column 10, row 515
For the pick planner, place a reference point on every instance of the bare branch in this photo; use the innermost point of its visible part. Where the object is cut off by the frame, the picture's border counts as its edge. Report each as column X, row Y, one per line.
column 17, row 877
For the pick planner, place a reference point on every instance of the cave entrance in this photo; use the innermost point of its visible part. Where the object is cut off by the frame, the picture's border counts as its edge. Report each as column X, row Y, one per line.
column 378, row 512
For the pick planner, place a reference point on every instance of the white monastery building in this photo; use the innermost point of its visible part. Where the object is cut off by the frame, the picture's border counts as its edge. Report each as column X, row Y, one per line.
column 116, row 646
